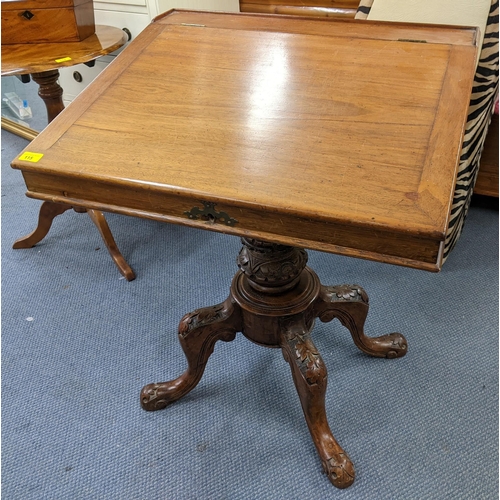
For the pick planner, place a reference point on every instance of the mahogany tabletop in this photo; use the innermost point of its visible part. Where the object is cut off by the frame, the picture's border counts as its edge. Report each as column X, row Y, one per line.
column 23, row 58
column 335, row 135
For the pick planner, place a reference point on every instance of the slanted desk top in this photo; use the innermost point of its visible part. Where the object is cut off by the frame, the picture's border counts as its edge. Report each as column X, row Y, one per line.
column 338, row 136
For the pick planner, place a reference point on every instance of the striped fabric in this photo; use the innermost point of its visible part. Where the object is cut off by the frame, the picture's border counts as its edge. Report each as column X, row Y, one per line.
column 482, row 105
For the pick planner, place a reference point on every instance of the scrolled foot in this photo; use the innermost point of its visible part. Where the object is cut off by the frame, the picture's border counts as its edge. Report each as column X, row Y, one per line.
column 349, row 303
column 394, row 345
column 198, row 333
column 155, row 397
column 48, row 212
column 340, row 470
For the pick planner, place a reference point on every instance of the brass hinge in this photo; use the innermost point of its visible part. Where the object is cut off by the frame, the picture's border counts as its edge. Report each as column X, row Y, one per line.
column 208, row 213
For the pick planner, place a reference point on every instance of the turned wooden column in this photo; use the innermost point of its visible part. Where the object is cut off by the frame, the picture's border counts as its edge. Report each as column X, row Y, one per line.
column 50, row 91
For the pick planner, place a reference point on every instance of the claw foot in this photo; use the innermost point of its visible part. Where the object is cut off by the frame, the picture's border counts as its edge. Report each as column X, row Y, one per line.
column 340, row 470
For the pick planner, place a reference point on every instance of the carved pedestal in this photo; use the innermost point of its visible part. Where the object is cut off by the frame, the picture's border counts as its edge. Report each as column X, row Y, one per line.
column 274, row 301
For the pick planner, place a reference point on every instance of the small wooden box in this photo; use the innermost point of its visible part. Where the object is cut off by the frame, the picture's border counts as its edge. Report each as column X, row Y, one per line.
column 46, row 21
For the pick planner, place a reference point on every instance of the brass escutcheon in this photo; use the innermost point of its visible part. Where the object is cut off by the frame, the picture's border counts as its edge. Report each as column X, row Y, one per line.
column 208, row 213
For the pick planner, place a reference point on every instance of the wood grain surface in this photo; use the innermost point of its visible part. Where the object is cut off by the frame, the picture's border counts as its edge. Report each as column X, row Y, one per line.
column 36, row 58
column 332, row 135
column 320, row 8
column 42, row 21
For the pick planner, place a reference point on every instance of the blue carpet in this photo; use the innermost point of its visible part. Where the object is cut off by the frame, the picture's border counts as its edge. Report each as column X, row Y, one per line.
column 79, row 342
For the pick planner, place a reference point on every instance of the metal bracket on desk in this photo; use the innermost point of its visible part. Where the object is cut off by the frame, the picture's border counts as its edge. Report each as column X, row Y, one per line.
column 209, row 213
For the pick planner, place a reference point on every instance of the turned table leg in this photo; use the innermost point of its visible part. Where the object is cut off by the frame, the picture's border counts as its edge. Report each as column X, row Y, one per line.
column 50, row 91
column 274, row 301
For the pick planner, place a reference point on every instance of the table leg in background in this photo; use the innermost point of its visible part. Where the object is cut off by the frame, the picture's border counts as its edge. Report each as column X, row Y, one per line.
column 50, row 210
column 50, row 91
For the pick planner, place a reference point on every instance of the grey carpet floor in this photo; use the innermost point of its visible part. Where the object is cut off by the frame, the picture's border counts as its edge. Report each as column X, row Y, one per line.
column 79, row 342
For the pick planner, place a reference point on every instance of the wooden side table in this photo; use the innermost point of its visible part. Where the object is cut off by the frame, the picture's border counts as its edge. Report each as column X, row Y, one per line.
column 270, row 140
column 42, row 62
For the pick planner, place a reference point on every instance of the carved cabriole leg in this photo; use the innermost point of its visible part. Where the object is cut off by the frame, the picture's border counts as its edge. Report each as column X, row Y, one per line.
column 98, row 219
column 48, row 212
column 277, row 293
column 310, row 377
column 349, row 303
column 50, row 91
column 198, row 333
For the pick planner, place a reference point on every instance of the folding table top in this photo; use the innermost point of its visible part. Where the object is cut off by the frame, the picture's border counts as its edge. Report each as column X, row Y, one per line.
column 341, row 136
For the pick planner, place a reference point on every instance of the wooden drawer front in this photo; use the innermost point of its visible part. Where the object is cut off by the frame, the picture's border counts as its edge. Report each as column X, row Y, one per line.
column 141, row 201
column 315, row 8
column 39, row 4
column 48, row 25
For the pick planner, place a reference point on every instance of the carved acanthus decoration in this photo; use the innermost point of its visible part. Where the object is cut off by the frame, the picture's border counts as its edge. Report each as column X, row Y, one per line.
column 269, row 264
column 201, row 318
column 347, row 292
column 306, row 355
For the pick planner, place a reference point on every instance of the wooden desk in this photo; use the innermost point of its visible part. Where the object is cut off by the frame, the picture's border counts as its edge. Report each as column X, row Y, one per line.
column 42, row 61
column 251, row 126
